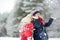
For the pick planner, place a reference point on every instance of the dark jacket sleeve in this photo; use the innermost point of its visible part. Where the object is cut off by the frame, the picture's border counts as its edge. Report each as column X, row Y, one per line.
column 49, row 22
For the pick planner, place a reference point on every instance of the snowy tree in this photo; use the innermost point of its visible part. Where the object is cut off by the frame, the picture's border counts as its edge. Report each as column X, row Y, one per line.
column 23, row 7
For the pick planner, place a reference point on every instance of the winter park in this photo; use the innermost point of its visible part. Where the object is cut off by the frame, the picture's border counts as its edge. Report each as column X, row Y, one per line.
column 24, row 19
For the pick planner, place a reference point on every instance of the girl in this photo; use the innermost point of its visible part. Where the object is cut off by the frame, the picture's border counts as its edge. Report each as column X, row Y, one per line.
column 40, row 26
column 27, row 28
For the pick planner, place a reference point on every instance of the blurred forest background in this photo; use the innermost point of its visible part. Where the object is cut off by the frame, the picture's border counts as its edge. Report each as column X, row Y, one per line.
column 10, row 21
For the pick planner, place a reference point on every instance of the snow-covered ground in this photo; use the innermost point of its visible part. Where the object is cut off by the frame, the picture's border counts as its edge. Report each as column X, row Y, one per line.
column 10, row 38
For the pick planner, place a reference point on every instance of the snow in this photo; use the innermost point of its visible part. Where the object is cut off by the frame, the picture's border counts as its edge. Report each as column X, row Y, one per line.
column 54, row 39
column 10, row 38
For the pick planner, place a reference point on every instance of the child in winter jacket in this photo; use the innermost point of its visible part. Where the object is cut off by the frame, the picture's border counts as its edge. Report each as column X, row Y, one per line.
column 27, row 28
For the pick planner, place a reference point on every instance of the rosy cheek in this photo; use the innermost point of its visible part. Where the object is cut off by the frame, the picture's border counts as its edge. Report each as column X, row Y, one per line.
column 36, row 14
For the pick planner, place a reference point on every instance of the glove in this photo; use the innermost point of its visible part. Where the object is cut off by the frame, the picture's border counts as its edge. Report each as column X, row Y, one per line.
column 53, row 18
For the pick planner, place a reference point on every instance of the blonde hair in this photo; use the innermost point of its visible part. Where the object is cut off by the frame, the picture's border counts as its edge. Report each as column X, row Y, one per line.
column 25, row 20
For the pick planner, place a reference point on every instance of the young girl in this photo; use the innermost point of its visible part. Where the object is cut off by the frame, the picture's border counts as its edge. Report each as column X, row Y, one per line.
column 27, row 28
column 40, row 26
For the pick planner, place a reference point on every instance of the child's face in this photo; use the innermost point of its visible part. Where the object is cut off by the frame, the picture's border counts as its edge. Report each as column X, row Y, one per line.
column 37, row 15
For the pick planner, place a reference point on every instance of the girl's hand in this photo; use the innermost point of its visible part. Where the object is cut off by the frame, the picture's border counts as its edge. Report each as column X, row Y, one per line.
column 54, row 18
column 40, row 17
column 29, row 38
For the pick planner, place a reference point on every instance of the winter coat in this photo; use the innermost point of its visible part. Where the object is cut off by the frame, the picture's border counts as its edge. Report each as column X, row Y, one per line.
column 38, row 25
column 27, row 30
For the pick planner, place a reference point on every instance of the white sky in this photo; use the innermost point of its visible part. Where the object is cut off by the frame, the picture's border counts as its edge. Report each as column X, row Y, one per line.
column 6, row 5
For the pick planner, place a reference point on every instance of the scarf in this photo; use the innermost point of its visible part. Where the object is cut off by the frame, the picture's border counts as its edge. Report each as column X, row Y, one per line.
column 42, row 20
